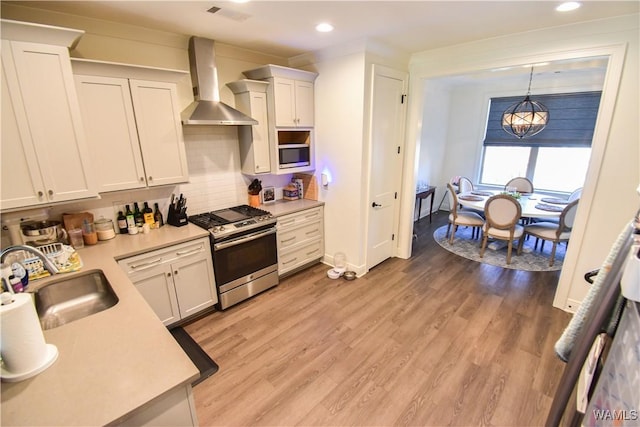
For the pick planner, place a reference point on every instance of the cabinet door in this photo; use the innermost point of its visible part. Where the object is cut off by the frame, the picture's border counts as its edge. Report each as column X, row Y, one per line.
column 160, row 132
column 110, row 128
column 193, row 279
column 46, row 85
column 304, row 103
column 261, row 157
column 156, row 286
column 285, row 101
column 21, row 183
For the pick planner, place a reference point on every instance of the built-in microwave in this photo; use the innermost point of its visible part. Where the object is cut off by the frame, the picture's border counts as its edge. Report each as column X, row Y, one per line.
column 293, row 156
column 294, row 148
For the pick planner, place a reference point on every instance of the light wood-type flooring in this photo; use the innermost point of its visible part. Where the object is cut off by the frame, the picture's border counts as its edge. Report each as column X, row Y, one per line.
column 433, row 340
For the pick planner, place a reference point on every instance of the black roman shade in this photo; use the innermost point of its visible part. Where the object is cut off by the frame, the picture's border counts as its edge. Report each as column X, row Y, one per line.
column 572, row 119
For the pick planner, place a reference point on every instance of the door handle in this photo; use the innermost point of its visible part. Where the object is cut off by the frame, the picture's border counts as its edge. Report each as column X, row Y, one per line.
column 375, row 205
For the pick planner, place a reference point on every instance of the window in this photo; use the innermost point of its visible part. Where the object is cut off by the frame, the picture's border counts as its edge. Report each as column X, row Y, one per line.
column 557, row 158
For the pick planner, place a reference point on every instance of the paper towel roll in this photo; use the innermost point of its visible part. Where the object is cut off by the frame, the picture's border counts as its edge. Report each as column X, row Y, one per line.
column 24, row 350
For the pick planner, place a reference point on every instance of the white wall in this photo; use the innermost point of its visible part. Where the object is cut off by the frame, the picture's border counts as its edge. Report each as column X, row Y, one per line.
column 339, row 131
column 615, row 152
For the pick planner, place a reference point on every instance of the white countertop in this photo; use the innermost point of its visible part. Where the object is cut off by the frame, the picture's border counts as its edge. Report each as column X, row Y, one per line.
column 285, row 207
column 110, row 363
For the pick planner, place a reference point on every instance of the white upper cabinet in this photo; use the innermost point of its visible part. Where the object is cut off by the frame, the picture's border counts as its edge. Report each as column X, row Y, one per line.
column 251, row 99
column 293, row 102
column 132, row 125
column 291, row 91
column 45, row 157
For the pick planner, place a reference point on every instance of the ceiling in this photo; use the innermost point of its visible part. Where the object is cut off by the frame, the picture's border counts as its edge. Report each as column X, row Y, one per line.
column 286, row 28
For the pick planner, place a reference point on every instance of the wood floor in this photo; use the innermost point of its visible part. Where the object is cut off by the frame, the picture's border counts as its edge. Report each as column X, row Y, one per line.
column 433, row 340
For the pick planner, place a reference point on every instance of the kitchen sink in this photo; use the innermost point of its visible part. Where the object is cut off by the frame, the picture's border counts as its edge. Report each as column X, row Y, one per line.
column 65, row 300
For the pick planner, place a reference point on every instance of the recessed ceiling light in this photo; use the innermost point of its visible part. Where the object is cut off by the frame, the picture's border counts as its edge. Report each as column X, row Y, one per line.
column 567, row 6
column 324, row 27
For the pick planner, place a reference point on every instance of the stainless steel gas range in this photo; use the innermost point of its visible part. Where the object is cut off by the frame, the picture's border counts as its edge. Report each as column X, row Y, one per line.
column 245, row 256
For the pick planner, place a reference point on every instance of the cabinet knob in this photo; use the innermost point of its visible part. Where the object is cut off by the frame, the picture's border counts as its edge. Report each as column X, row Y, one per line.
column 169, row 274
column 50, row 192
column 150, row 178
column 142, row 179
column 175, row 273
column 40, row 194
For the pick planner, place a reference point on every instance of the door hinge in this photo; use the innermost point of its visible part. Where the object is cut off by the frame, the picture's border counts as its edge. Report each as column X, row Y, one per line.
column 402, row 97
column 398, row 149
column 393, row 237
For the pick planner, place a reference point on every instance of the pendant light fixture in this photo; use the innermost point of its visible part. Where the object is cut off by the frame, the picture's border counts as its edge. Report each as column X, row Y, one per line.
column 525, row 118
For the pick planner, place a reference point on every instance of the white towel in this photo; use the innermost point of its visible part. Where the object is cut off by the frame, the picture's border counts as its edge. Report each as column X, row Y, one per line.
column 564, row 345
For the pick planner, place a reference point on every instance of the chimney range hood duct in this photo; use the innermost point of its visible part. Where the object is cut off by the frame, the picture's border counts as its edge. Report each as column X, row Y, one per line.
column 207, row 109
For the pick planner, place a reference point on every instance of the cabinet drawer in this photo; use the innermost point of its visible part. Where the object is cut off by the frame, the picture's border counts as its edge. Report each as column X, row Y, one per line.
column 291, row 237
column 300, row 257
column 299, row 218
column 162, row 256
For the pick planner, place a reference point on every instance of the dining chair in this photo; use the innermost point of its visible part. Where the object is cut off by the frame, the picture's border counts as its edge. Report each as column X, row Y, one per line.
column 552, row 231
column 522, row 184
column 458, row 217
column 465, row 185
column 502, row 214
column 575, row 195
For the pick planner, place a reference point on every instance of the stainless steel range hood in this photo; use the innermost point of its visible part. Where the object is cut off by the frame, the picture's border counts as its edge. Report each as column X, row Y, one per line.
column 207, row 109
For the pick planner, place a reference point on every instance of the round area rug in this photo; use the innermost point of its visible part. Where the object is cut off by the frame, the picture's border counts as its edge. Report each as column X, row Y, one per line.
column 530, row 259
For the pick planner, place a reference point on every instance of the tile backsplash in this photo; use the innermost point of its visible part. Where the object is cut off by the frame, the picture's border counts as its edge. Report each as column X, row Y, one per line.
column 215, row 182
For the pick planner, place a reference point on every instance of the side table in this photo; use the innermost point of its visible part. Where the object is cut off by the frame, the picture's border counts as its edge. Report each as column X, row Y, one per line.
column 423, row 193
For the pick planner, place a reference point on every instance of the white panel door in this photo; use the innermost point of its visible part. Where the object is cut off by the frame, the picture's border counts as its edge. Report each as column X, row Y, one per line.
column 304, row 104
column 160, row 132
column 261, row 149
column 285, row 101
column 387, row 133
column 193, row 278
column 156, row 286
column 110, row 127
column 50, row 102
column 21, row 181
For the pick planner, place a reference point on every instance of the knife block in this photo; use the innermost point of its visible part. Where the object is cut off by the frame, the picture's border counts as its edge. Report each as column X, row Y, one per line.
column 176, row 218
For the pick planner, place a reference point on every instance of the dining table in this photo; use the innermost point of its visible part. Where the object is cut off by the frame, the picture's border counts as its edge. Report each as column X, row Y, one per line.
column 533, row 205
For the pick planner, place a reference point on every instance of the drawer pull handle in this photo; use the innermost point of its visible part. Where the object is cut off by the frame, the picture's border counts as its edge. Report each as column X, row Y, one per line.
column 289, row 221
column 146, row 264
column 290, row 261
column 312, row 231
column 312, row 215
column 288, row 240
column 313, row 252
column 192, row 251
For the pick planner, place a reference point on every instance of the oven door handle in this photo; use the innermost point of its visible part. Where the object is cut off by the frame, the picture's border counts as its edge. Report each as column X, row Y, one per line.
column 243, row 239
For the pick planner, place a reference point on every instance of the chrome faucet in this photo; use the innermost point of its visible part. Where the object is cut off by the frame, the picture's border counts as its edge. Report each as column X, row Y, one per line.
column 48, row 264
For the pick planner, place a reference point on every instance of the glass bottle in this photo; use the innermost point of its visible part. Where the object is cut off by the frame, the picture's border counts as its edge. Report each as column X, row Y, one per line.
column 148, row 214
column 157, row 217
column 122, row 223
column 137, row 215
column 131, row 222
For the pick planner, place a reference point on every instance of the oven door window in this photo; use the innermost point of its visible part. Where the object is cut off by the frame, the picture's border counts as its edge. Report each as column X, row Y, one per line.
column 234, row 262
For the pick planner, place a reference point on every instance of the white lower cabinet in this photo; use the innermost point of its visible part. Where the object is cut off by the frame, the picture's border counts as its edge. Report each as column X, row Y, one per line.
column 175, row 408
column 300, row 239
column 177, row 281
